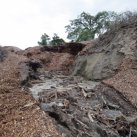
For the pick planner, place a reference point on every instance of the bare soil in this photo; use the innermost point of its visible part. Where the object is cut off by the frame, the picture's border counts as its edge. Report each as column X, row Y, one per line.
column 20, row 115
column 81, row 108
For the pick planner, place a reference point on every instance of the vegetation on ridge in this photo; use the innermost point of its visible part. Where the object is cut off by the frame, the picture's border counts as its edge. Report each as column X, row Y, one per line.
column 55, row 41
column 86, row 26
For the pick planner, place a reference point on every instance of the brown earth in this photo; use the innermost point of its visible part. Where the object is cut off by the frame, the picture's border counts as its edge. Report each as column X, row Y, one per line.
column 125, row 80
column 20, row 115
column 52, row 60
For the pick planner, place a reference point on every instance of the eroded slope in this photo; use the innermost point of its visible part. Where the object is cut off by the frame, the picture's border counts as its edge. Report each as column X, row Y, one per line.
column 19, row 114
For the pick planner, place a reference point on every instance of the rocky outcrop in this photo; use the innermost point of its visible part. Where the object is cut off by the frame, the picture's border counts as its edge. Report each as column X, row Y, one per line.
column 98, row 66
column 103, row 59
column 112, row 59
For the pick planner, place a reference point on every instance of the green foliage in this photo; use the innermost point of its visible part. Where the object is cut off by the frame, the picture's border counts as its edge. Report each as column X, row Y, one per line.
column 87, row 26
column 56, row 40
column 44, row 40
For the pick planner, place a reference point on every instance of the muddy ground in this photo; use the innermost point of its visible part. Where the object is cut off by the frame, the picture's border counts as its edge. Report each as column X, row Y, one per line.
column 81, row 108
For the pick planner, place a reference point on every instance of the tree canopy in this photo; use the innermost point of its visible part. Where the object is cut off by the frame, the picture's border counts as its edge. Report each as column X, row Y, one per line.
column 55, row 41
column 87, row 26
column 44, row 40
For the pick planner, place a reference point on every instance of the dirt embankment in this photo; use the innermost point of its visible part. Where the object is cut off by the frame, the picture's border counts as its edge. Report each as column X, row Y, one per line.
column 55, row 57
column 112, row 59
column 19, row 114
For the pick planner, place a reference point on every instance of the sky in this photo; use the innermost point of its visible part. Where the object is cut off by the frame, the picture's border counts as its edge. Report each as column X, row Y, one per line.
column 22, row 22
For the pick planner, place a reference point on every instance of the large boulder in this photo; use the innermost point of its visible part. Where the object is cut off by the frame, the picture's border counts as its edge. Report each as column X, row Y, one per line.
column 99, row 65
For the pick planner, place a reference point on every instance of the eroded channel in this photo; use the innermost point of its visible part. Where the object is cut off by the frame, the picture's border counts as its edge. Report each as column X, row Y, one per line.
column 81, row 108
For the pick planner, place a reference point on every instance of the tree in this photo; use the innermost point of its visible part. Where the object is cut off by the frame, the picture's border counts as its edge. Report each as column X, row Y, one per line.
column 44, row 40
column 87, row 26
column 56, row 40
